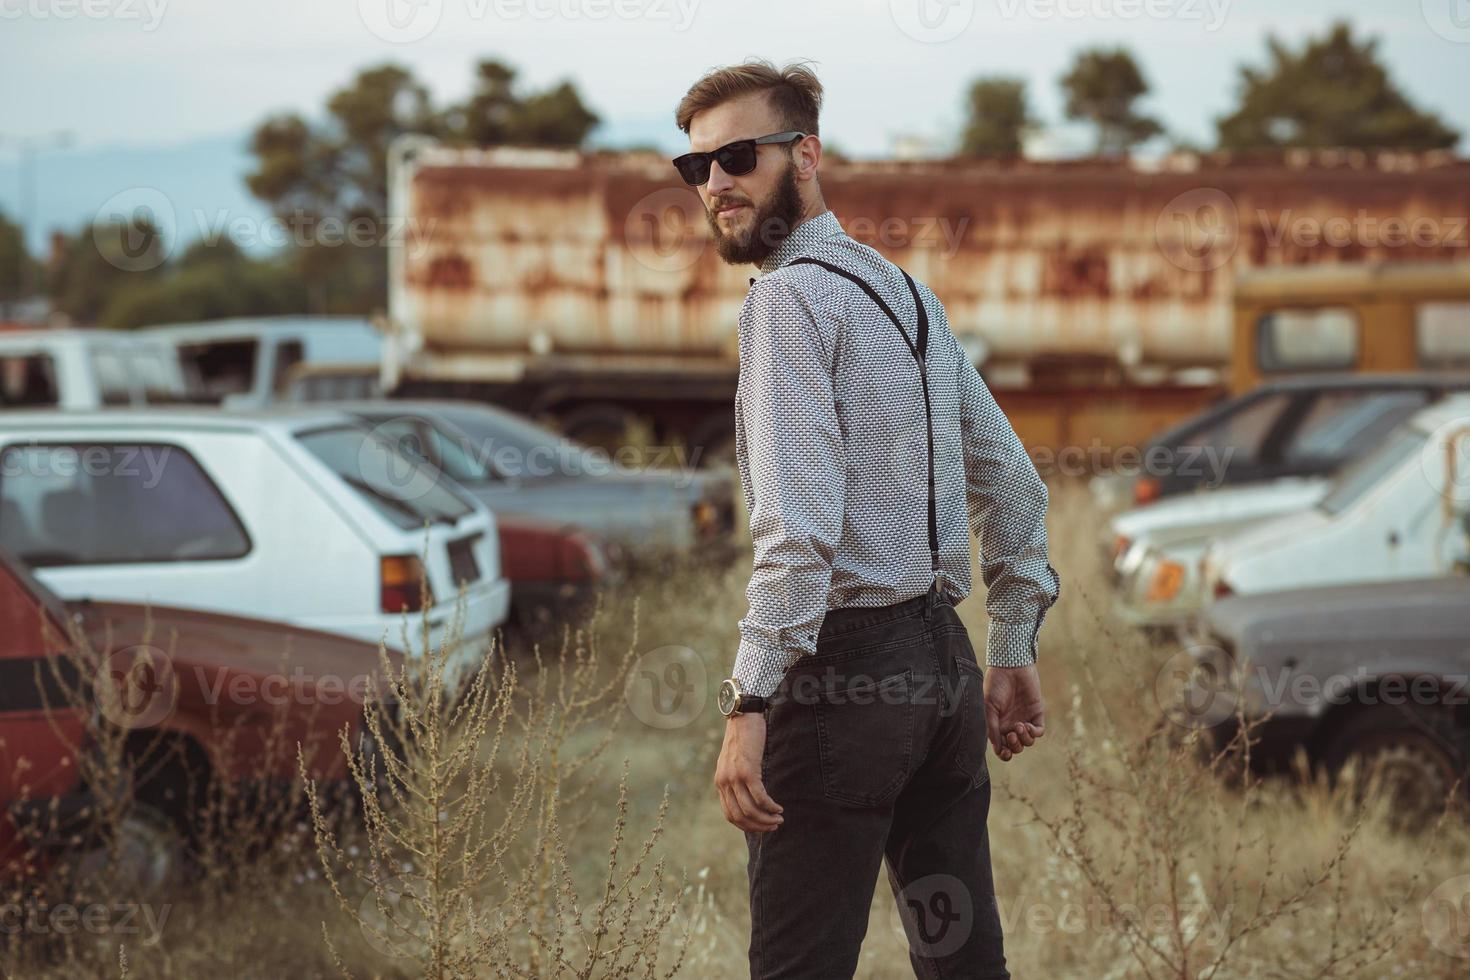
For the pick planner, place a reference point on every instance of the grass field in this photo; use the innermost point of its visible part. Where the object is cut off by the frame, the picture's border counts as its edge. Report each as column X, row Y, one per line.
column 1116, row 853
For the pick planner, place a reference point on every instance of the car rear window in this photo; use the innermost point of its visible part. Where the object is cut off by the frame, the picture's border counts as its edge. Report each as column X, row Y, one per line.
column 1345, row 424
column 406, row 491
column 110, row 503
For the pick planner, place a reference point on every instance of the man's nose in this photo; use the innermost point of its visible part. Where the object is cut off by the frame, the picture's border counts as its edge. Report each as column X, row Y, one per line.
column 719, row 181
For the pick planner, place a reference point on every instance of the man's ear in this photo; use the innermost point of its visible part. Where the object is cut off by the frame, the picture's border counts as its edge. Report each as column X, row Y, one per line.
column 808, row 157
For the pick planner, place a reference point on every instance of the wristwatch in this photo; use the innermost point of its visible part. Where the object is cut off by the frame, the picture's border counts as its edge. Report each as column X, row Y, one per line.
column 733, row 701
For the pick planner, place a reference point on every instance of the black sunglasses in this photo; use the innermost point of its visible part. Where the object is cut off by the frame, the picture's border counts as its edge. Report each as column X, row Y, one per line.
column 736, row 159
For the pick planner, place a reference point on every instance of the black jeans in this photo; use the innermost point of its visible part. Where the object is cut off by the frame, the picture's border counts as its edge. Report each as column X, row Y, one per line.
column 875, row 747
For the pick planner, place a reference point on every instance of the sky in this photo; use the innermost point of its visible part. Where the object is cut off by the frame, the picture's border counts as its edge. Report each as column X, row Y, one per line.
column 167, row 91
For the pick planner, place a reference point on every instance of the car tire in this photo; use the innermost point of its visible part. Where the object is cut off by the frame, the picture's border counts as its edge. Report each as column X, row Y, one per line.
column 1418, row 752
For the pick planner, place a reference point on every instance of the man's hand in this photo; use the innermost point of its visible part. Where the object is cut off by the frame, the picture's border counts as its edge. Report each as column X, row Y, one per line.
column 1014, row 718
column 738, row 775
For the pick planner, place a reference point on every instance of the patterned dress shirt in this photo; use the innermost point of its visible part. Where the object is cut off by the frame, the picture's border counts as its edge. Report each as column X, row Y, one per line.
column 832, row 447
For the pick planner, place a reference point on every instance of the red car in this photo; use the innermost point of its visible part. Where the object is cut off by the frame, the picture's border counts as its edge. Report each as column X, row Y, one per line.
column 224, row 698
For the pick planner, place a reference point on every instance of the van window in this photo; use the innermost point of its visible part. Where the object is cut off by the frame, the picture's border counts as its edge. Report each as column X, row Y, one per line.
column 224, row 368
column 1442, row 331
column 113, row 387
column 110, row 503
column 1364, row 473
column 152, row 372
column 405, row 490
column 1322, row 339
column 27, row 381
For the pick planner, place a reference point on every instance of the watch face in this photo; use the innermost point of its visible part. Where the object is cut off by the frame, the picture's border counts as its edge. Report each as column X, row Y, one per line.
column 726, row 697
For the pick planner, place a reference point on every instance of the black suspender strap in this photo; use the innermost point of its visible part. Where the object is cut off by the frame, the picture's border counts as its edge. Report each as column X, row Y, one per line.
column 918, row 350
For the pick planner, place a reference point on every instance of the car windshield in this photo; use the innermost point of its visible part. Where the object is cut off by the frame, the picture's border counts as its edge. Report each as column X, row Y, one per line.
column 406, row 491
column 1346, row 423
column 1362, row 475
column 514, row 447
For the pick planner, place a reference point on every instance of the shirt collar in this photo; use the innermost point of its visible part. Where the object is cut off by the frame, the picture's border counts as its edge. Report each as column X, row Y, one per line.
column 803, row 238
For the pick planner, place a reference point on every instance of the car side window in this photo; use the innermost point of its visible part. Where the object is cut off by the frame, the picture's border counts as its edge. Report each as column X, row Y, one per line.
column 110, row 503
column 288, row 355
column 1344, row 424
column 1243, row 430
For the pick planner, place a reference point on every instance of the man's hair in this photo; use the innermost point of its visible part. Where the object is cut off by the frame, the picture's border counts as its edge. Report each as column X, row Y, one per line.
column 794, row 92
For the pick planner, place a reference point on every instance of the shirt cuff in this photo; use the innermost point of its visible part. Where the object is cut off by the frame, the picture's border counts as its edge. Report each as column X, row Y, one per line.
column 1011, row 644
column 760, row 668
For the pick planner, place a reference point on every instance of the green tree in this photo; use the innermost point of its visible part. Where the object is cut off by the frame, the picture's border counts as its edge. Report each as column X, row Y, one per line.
column 100, row 261
column 997, row 116
column 209, row 282
column 17, row 268
column 1103, row 88
column 1333, row 93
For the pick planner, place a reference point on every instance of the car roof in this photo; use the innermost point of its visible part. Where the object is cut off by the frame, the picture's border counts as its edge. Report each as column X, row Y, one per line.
column 73, row 335
column 254, row 326
column 287, row 418
column 428, row 406
column 1454, row 409
column 1368, row 379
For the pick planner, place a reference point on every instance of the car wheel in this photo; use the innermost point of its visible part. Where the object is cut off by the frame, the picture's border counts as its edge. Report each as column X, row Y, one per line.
column 149, row 855
column 1416, row 753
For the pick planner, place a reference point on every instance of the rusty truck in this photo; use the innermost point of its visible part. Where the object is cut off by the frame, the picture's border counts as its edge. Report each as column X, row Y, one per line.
column 1097, row 298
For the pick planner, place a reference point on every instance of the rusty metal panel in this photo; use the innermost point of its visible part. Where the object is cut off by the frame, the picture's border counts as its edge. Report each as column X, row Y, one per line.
column 609, row 254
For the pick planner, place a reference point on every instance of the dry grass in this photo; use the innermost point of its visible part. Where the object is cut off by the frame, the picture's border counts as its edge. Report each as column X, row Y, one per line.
column 1117, row 855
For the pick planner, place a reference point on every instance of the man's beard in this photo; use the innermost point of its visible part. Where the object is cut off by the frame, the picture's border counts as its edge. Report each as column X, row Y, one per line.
column 773, row 222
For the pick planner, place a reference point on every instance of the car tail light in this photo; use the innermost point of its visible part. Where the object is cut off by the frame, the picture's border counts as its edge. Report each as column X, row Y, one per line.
column 1167, row 579
column 1145, row 490
column 1222, row 589
column 403, row 583
column 707, row 523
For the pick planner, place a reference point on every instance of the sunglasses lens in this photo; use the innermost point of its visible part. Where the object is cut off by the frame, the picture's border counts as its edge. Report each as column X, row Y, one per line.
column 693, row 167
column 736, row 159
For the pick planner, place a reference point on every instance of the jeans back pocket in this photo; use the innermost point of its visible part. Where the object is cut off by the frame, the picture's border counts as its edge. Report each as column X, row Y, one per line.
column 865, row 737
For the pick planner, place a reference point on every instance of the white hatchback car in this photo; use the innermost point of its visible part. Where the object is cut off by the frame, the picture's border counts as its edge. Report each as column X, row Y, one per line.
column 1400, row 512
column 296, row 515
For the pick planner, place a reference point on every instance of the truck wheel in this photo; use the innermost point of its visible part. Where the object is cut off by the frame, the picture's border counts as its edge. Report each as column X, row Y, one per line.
column 1416, row 752
column 600, row 424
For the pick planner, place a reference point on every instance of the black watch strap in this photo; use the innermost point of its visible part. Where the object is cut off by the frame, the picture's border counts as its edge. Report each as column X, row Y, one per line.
column 753, row 704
